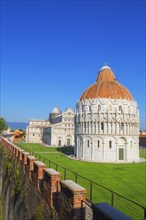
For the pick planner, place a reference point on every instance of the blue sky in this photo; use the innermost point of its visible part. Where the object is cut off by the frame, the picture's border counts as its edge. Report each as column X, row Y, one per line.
column 51, row 51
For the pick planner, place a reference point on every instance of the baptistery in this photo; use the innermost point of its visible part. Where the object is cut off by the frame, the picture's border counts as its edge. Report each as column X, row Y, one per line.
column 107, row 122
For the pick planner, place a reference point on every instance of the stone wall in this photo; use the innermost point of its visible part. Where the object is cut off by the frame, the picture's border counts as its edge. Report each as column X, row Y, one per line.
column 32, row 191
column 107, row 130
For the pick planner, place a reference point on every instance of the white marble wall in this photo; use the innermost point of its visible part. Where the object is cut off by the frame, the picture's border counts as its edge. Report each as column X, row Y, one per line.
column 62, row 128
column 61, row 131
column 107, row 120
column 34, row 131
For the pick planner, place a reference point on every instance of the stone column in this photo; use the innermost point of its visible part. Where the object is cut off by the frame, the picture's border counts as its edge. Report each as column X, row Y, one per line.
column 83, row 149
column 117, row 153
column 71, row 196
column 92, row 149
column 117, row 125
column 83, row 131
column 87, row 131
column 103, row 156
column 128, row 128
column 124, row 128
column 91, row 127
column 105, row 128
column 109, row 127
column 99, row 126
column 77, row 148
column 126, row 151
column 120, row 130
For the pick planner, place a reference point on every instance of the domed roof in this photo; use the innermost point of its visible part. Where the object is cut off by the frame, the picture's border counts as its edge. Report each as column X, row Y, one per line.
column 56, row 110
column 106, row 86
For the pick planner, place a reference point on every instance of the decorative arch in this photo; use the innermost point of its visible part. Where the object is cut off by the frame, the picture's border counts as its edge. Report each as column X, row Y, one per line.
column 98, row 142
column 122, row 141
column 113, row 138
column 87, row 147
column 88, row 141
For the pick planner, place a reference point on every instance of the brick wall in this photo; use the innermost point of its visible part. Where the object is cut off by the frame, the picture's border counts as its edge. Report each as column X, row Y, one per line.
column 41, row 187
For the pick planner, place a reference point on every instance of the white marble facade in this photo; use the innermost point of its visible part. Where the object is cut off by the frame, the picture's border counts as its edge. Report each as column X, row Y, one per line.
column 34, row 130
column 61, row 130
column 58, row 130
column 107, row 130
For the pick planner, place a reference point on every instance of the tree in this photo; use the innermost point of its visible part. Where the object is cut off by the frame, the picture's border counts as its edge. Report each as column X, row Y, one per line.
column 3, row 125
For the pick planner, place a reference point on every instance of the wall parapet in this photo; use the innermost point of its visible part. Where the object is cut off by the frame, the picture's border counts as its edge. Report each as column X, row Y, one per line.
column 71, row 196
column 51, row 187
column 62, row 196
column 29, row 166
column 66, row 199
column 37, row 173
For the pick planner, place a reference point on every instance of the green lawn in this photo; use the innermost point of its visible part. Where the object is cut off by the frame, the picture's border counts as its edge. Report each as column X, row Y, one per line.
column 128, row 180
column 142, row 153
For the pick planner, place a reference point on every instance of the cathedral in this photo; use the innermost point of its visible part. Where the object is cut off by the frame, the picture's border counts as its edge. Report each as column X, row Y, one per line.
column 58, row 130
column 107, row 122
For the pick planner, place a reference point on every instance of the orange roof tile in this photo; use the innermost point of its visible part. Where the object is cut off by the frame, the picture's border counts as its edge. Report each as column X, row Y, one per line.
column 106, row 86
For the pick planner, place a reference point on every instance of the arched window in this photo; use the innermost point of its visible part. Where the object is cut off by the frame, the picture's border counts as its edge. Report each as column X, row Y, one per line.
column 98, row 144
column 99, row 107
column 88, row 143
column 89, row 108
column 102, row 126
column 110, row 144
column 122, row 126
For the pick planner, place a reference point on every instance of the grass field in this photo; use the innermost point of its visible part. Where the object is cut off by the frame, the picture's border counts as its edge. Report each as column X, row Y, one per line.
column 142, row 153
column 128, row 180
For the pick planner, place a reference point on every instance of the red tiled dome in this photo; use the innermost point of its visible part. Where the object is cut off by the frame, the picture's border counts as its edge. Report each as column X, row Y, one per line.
column 106, row 86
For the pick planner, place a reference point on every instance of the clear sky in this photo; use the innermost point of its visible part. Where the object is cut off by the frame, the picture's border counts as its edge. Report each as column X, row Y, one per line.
column 51, row 51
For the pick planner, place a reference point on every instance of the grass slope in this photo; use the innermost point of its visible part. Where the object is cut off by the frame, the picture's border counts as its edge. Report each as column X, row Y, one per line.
column 126, row 179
